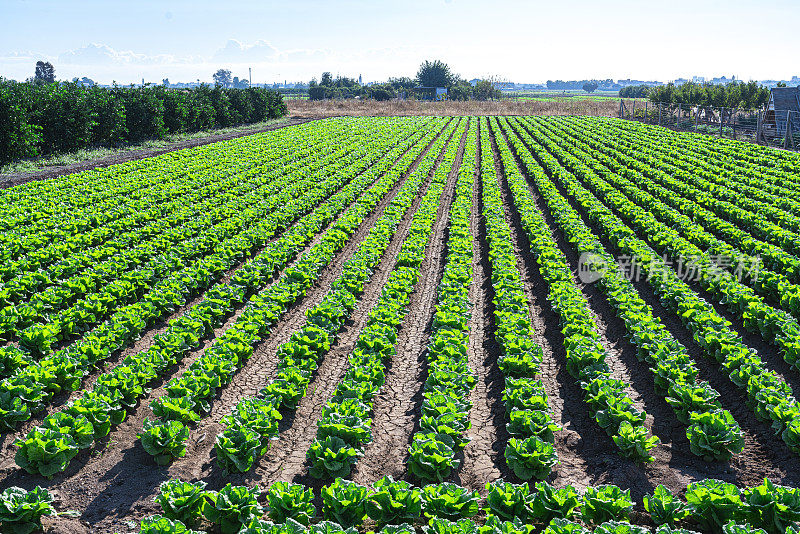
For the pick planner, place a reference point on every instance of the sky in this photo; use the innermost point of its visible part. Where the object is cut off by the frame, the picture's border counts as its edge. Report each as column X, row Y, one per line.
column 295, row 40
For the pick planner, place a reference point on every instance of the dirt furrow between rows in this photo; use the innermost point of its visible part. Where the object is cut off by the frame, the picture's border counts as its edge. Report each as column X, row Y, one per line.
column 483, row 455
column 397, row 407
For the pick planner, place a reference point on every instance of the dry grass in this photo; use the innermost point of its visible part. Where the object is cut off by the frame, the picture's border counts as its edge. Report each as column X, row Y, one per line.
column 371, row 108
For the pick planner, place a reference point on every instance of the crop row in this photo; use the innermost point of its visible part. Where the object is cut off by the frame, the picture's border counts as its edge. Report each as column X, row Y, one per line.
column 445, row 405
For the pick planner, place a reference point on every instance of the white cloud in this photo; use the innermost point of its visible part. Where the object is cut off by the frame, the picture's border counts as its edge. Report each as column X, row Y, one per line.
column 237, row 52
column 96, row 54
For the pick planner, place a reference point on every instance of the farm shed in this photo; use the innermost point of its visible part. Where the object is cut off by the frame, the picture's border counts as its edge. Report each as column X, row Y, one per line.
column 784, row 102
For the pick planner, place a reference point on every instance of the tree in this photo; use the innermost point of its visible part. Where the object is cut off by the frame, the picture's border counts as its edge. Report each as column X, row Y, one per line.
column 402, row 84
column 461, row 90
column 485, row 90
column 590, row 87
column 222, row 78
column 381, row 92
column 327, row 79
column 45, row 72
column 165, row 82
column 435, row 74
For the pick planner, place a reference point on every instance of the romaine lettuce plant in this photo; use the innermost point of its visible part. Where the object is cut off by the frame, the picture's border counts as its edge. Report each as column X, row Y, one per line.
column 345, row 502
column 449, row 501
column 293, row 501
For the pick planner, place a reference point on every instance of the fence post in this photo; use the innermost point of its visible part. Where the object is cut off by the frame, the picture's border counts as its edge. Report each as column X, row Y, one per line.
column 788, row 130
column 734, row 123
column 659, row 113
column 678, row 119
column 633, row 110
column 759, row 127
column 696, row 117
column 721, row 113
column 645, row 111
column 620, row 109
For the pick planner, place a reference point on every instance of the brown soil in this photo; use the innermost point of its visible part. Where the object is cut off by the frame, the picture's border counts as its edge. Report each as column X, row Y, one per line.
column 10, row 180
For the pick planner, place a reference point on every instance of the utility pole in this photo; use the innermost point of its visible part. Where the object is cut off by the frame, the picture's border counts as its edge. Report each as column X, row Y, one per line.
column 250, row 71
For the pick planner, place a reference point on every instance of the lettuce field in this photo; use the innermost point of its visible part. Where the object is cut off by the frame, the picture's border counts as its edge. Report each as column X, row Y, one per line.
column 467, row 325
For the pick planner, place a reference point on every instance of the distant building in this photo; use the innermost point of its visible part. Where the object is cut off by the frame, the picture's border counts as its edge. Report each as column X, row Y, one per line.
column 784, row 102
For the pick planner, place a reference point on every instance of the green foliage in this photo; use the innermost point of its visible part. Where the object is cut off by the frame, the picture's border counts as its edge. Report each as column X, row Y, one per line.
column 553, row 503
column 617, row 527
column 509, row 501
column 46, row 452
column 530, row 458
column 449, row 501
column 713, row 435
column 713, row 503
column 563, row 526
column 164, row 440
column 345, row 502
column 431, row 457
column 66, row 116
column 394, row 502
column 21, row 511
column 331, row 457
column 606, row 503
column 748, row 95
column 435, row 74
column 495, row 525
column 232, row 507
column 444, row 526
column 183, row 501
column 664, row 507
column 290, row 501
column 158, row 524
column 772, row 507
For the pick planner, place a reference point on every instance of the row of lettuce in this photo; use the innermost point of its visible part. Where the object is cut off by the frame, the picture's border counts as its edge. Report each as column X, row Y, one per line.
column 48, row 448
column 394, row 507
column 74, row 268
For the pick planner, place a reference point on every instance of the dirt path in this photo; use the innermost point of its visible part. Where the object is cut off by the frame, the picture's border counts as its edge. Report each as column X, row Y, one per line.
column 10, row 180
column 397, row 407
